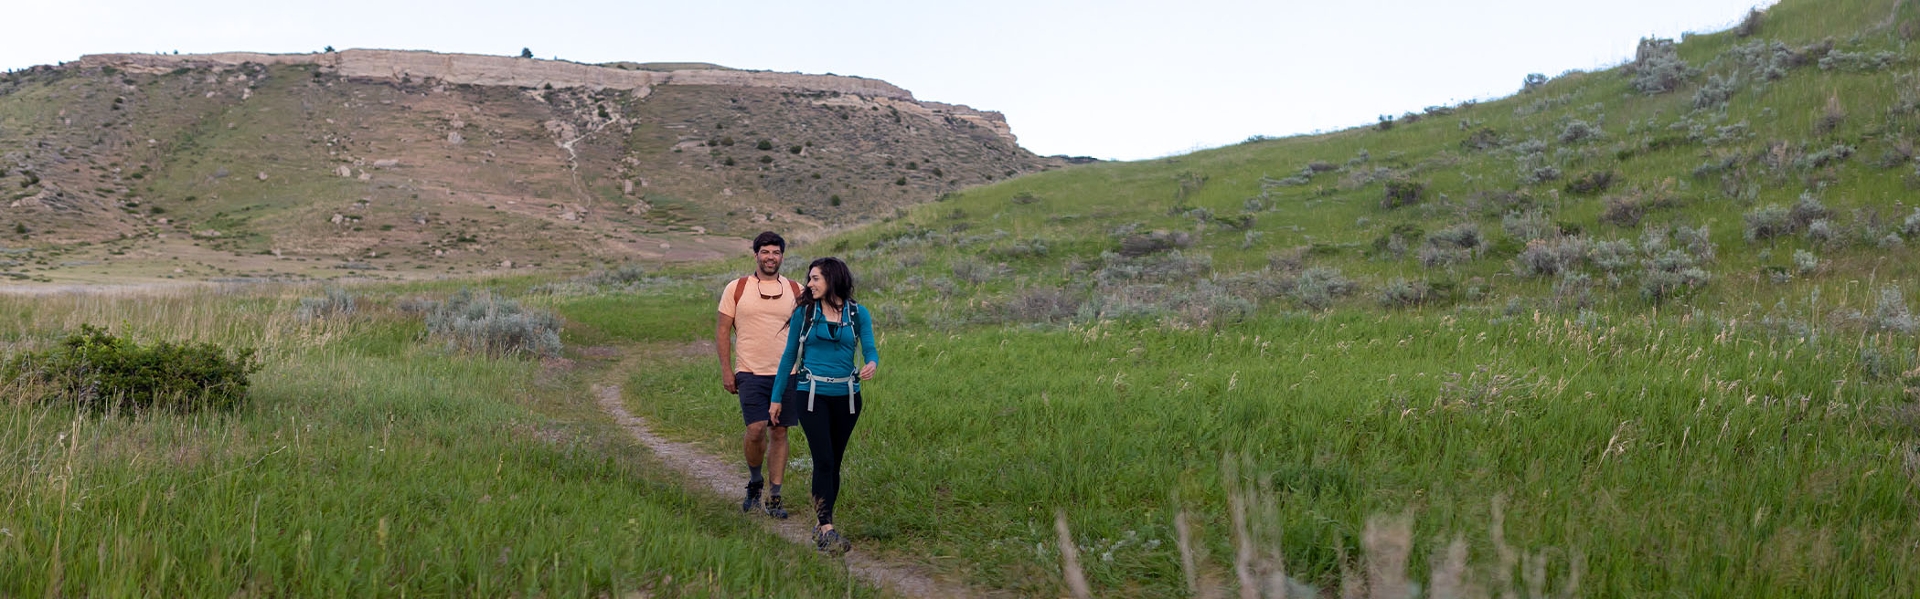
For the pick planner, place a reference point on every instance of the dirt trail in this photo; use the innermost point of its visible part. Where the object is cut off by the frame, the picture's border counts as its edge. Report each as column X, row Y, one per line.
column 721, row 477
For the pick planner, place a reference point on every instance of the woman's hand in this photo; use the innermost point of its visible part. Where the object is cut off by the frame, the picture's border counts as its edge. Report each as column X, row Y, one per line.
column 866, row 372
column 773, row 414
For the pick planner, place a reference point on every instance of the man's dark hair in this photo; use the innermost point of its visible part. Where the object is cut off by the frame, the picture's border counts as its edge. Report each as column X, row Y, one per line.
column 767, row 238
column 839, row 281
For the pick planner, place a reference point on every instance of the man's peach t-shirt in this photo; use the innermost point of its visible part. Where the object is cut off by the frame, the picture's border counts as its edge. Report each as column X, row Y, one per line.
column 760, row 324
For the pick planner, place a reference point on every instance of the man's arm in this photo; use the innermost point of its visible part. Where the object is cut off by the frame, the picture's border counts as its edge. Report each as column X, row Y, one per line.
column 723, row 342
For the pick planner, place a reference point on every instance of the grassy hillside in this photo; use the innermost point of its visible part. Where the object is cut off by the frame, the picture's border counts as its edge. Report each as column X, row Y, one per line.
column 1662, row 314
column 1778, row 162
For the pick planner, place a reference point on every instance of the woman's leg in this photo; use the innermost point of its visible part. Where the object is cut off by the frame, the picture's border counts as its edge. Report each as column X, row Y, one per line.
column 819, row 426
column 839, row 430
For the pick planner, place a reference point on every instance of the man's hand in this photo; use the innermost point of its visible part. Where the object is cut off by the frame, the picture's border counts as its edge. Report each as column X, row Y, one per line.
column 866, row 372
column 773, row 414
column 727, row 382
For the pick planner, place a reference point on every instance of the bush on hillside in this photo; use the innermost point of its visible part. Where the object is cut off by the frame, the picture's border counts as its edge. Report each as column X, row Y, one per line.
column 95, row 370
column 1612, row 256
column 1402, row 192
column 1804, row 262
column 494, row 326
column 1657, row 67
column 1716, row 91
column 1401, row 293
column 1578, row 131
column 1545, row 258
column 1532, row 82
column 1767, row 222
column 1857, row 62
column 1591, row 182
column 1749, row 25
column 1319, row 286
column 336, row 303
column 1529, row 225
column 1890, row 312
column 1669, row 274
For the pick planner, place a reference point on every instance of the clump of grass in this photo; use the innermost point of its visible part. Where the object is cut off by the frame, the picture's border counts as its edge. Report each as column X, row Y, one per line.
column 335, row 303
column 96, row 370
column 495, row 326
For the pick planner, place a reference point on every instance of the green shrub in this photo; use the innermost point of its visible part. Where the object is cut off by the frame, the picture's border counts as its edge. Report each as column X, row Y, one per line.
column 95, row 370
column 1591, row 182
column 494, row 326
column 763, row 145
column 1768, row 221
column 1402, row 192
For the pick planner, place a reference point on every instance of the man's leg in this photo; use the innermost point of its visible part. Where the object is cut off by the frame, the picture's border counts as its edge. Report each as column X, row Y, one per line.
column 756, row 449
column 777, row 470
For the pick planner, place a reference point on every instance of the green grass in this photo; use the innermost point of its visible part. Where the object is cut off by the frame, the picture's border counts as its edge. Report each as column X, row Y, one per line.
column 1674, row 453
column 368, row 463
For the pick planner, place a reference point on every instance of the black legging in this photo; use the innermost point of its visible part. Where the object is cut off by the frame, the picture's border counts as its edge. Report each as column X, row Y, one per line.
column 828, row 426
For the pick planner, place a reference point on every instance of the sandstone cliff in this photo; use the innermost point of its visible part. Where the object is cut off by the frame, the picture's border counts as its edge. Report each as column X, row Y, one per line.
column 475, row 69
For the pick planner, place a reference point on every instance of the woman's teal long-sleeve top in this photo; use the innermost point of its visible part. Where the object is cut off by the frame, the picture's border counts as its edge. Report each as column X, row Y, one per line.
column 829, row 349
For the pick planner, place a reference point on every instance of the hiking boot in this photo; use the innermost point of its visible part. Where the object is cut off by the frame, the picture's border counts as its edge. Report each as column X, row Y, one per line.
column 829, row 542
column 752, row 502
column 775, row 509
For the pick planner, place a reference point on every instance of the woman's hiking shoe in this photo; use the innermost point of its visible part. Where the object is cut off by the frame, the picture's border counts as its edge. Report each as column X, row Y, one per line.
column 775, row 509
column 830, row 542
column 752, row 502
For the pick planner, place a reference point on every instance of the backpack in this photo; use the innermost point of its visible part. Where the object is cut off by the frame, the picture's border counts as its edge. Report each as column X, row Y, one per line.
column 741, row 288
column 852, row 314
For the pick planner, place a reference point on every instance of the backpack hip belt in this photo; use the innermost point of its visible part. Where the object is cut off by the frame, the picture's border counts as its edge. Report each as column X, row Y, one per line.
column 813, row 383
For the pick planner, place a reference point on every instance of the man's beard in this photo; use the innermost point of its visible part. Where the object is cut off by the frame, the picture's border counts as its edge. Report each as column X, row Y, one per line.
column 768, row 273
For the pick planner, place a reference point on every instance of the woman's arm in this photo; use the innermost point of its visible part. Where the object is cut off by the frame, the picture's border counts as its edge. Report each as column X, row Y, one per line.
column 866, row 345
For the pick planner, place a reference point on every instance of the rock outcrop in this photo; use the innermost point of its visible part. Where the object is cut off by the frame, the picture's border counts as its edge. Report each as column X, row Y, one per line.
column 475, row 69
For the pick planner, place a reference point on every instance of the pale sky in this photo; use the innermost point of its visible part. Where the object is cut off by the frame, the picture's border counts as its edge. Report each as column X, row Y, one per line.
column 1119, row 79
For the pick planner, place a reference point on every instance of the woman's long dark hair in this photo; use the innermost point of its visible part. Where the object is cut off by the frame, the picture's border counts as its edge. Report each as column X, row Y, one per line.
column 839, row 281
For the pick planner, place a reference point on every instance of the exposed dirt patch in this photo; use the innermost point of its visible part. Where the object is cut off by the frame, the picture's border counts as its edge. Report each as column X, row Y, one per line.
column 724, row 478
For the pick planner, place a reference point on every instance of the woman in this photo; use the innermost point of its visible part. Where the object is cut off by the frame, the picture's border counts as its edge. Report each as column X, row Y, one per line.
column 825, row 387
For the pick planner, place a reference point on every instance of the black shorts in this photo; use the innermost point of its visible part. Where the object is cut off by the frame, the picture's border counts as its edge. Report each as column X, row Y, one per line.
column 756, row 396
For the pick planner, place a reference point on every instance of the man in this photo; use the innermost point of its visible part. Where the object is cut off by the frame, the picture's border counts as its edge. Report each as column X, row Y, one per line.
column 757, row 307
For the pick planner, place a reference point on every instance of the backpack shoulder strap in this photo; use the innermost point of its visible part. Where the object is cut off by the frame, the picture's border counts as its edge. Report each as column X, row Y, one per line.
column 795, row 285
column 739, row 287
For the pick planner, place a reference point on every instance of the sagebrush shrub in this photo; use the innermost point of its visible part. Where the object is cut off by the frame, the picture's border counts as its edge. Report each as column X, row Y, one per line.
column 95, row 370
column 1890, row 311
column 1769, row 221
column 1463, row 236
column 1804, row 262
column 1911, row 226
column 1591, row 182
column 1657, row 67
column 1401, row 293
column 1612, row 256
column 494, row 326
column 1319, row 286
column 1577, row 131
column 1547, row 258
column 1820, row 232
column 1671, row 273
column 1716, row 91
column 336, row 302
column 1529, row 225
column 1857, row 62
